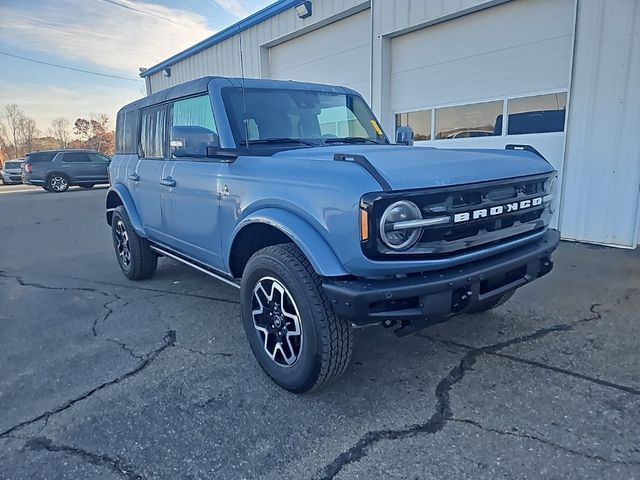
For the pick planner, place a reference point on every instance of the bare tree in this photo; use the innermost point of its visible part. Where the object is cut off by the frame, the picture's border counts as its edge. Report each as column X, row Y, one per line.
column 27, row 134
column 60, row 130
column 14, row 118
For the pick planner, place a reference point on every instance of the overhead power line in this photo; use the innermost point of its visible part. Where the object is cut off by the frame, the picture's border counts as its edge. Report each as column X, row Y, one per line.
column 69, row 68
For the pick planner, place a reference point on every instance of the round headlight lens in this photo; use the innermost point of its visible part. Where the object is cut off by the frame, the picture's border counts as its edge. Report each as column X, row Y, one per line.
column 552, row 194
column 404, row 238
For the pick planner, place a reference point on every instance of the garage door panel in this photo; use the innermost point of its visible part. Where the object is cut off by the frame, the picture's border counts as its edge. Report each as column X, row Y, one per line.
column 484, row 76
column 338, row 53
column 520, row 46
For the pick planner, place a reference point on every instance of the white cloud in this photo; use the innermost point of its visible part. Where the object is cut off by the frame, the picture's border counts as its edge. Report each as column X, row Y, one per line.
column 237, row 8
column 113, row 34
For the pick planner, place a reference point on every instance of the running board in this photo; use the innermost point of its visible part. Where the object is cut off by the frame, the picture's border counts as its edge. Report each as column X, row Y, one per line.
column 194, row 265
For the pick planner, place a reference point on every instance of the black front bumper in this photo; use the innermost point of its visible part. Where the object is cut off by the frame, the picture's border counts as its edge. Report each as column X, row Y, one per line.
column 431, row 297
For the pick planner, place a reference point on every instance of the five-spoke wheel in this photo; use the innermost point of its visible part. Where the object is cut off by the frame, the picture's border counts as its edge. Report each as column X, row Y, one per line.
column 277, row 321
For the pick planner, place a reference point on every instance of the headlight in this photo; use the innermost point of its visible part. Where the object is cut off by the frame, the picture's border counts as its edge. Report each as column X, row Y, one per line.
column 400, row 238
column 552, row 194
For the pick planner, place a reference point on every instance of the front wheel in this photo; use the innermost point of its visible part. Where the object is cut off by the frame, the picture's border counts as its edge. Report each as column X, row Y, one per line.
column 135, row 257
column 291, row 327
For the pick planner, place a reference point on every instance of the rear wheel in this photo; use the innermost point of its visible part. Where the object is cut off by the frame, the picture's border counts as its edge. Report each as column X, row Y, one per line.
column 486, row 305
column 135, row 257
column 57, row 183
column 291, row 327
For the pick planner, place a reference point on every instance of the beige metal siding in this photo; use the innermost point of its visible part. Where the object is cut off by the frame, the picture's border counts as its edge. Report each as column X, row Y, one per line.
column 602, row 179
column 224, row 58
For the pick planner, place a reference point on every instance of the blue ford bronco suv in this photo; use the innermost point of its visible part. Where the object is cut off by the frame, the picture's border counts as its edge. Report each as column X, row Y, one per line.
column 293, row 193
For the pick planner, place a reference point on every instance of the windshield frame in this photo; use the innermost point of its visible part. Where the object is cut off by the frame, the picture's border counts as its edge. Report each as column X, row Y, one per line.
column 375, row 133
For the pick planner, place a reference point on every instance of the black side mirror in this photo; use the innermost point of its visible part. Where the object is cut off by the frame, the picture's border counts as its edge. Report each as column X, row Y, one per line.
column 404, row 136
column 211, row 151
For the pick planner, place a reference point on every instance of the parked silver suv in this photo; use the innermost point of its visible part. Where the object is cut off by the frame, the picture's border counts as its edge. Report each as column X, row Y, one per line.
column 57, row 170
column 12, row 171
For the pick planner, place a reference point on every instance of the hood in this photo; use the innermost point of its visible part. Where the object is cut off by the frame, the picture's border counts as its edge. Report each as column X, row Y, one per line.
column 423, row 167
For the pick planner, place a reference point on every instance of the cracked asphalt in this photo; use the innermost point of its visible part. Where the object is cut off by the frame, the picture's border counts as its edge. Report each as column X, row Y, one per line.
column 105, row 378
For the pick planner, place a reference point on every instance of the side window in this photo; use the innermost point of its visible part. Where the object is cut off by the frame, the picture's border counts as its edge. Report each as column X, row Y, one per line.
column 193, row 127
column 76, row 157
column 537, row 114
column 466, row 121
column 152, row 128
column 420, row 121
column 97, row 158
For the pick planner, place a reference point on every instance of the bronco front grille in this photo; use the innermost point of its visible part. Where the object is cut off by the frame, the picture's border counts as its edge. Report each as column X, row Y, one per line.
column 469, row 233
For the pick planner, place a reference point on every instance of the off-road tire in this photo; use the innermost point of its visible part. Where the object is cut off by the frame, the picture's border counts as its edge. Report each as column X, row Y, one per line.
column 142, row 260
column 486, row 305
column 326, row 338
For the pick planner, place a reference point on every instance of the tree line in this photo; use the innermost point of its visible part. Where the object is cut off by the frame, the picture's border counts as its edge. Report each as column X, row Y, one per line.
column 19, row 134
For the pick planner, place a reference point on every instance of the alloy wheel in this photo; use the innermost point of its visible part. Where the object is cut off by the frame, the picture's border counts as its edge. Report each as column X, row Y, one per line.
column 277, row 321
column 58, row 183
column 122, row 240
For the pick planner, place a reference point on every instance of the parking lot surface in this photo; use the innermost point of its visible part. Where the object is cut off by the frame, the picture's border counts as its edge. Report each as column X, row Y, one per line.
column 105, row 378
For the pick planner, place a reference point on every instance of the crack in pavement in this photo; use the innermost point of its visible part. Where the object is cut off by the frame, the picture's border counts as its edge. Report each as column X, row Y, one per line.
column 155, row 290
column 105, row 315
column 114, row 464
column 168, row 340
column 21, row 281
column 557, row 446
column 204, row 354
column 443, row 412
column 124, row 347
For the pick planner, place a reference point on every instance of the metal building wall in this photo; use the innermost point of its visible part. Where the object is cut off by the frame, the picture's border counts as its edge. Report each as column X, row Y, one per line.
column 224, row 58
column 602, row 170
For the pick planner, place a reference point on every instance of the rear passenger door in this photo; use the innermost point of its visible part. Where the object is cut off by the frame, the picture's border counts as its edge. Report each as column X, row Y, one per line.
column 191, row 182
column 100, row 166
column 146, row 177
column 77, row 166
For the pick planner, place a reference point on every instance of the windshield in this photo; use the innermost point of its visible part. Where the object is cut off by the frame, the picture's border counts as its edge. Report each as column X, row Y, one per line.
column 300, row 117
column 12, row 165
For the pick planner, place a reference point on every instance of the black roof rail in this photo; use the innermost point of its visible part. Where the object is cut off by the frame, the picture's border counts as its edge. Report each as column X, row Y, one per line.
column 529, row 148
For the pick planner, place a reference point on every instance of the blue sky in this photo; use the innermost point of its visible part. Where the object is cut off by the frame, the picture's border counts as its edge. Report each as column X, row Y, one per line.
column 109, row 36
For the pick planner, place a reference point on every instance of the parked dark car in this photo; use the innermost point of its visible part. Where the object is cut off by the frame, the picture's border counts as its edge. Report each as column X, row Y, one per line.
column 11, row 172
column 57, row 170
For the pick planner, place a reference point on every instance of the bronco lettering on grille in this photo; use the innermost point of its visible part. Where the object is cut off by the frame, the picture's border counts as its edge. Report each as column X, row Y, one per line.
column 497, row 210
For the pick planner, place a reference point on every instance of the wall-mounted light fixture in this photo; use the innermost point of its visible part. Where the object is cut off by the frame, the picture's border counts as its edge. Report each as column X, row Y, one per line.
column 167, row 72
column 304, row 9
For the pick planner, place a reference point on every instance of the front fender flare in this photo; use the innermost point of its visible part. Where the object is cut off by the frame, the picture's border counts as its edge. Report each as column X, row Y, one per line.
column 321, row 256
column 127, row 201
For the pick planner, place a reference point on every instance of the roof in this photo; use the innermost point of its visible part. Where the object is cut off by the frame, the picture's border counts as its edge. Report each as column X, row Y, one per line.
column 201, row 85
column 258, row 17
column 192, row 87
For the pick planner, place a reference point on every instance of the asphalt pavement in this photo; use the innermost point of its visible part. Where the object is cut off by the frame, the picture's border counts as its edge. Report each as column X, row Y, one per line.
column 103, row 378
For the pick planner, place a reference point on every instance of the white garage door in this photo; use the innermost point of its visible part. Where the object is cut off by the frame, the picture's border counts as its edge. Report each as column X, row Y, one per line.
column 337, row 54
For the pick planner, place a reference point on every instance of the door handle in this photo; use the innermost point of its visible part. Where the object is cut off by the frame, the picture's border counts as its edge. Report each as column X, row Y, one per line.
column 168, row 182
column 134, row 177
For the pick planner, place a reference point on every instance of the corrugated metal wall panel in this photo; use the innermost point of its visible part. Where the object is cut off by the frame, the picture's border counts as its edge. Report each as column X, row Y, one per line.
column 223, row 58
column 602, row 173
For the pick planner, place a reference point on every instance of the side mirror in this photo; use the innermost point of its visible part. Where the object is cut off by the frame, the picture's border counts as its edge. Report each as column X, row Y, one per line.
column 404, row 136
column 212, row 151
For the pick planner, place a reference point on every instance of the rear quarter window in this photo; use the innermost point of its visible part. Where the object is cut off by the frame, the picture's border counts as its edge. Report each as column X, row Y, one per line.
column 40, row 157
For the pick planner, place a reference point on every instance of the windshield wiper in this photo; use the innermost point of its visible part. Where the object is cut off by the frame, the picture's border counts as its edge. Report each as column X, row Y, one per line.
column 275, row 141
column 352, row 140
